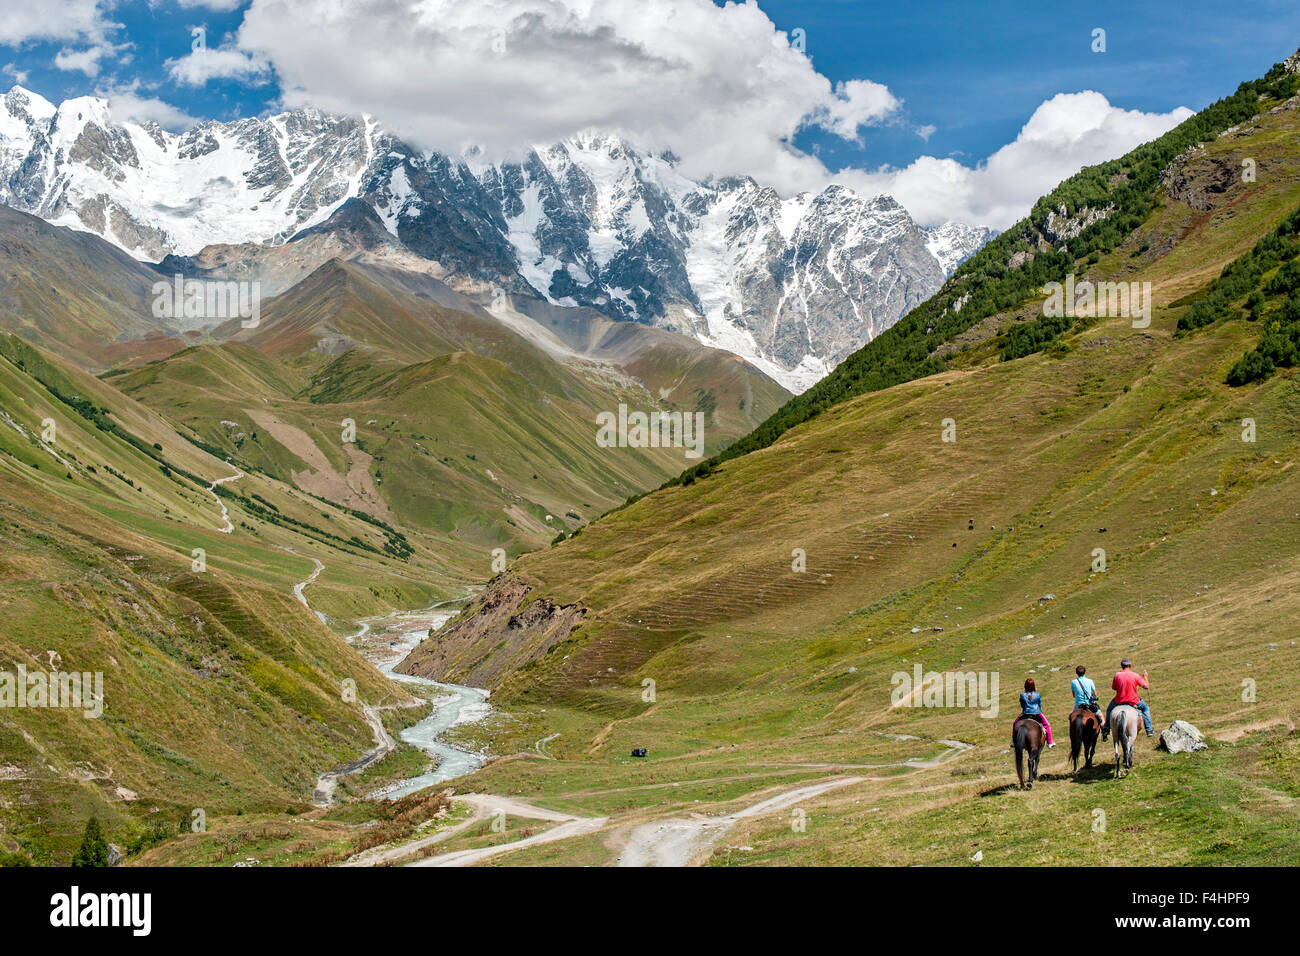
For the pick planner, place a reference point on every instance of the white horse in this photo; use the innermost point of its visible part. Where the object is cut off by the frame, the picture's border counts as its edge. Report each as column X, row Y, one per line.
column 1124, row 721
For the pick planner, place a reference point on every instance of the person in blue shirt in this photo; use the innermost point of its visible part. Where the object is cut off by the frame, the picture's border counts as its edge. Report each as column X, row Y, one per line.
column 1031, row 705
column 1085, row 691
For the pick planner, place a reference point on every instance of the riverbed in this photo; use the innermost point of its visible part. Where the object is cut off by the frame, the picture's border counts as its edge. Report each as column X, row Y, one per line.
column 385, row 642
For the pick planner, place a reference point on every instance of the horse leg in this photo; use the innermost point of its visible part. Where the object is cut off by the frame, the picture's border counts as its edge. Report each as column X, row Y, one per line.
column 1033, row 767
column 1020, row 769
column 1119, row 732
column 1076, row 734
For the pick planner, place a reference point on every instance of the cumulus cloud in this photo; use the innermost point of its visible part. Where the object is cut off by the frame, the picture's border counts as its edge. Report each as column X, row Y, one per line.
column 223, row 63
column 83, row 61
column 1065, row 133
column 67, row 21
column 857, row 103
column 72, row 22
column 127, row 104
column 216, row 6
column 720, row 86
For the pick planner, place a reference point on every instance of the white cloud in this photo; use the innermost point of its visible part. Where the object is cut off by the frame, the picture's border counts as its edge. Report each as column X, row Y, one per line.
column 63, row 21
column 223, row 63
column 1065, row 133
column 126, row 104
column 85, row 61
column 19, row 75
column 856, row 103
column 217, row 6
column 721, row 86
column 67, row 21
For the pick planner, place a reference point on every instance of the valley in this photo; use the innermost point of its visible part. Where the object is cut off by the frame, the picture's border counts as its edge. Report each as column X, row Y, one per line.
column 388, row 577
column 1107, row 495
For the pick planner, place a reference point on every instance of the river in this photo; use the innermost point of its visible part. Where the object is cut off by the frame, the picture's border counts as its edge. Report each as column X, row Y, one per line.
column 385, row 642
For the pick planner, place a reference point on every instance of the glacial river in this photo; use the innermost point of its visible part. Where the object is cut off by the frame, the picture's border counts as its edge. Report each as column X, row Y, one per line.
column 385, row 642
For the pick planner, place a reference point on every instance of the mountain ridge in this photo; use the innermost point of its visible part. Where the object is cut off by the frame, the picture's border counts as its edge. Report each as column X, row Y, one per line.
column 589, row 221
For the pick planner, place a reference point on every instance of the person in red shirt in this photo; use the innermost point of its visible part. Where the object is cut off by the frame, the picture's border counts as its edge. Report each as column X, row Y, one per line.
column 1125, row 685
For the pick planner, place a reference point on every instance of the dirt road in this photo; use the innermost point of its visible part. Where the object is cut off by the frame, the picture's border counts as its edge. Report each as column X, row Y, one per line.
column 683, row 840
column 486, row 805
column 225, row 512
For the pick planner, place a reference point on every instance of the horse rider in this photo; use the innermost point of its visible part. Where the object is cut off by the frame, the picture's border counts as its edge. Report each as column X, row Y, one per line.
column 1031, row 706
column 1085, row 692
column 1125, row 685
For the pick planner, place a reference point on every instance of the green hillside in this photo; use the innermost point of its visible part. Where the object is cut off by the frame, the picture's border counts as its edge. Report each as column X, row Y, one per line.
column 157, row 520
column 220, row 691
column 465, row 431
column 1106, row 493
column 1106, row 203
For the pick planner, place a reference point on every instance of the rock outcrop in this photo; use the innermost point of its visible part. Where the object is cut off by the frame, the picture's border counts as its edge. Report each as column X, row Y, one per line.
column 1181, row 738
column 499, row 631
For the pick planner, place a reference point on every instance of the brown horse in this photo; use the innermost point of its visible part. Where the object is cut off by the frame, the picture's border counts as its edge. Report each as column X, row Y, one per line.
column 1027, row 735
column 1085, row 728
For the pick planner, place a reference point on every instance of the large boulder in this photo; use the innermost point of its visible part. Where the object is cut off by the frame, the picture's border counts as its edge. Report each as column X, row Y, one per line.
column 1181, row 738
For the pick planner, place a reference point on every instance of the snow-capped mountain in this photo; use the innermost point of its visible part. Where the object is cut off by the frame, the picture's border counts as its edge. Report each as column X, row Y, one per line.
column 792, row 284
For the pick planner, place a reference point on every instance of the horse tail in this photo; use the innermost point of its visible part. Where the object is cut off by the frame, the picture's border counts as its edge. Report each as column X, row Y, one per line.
column 1076, row 739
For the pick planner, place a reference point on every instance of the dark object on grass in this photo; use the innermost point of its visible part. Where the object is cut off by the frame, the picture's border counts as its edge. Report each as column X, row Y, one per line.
column 638, row 751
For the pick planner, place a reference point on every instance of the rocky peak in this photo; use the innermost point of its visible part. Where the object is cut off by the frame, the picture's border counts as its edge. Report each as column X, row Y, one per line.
column 792, row 283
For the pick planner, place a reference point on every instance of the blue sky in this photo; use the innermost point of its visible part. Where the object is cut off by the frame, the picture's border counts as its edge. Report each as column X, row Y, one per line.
column 154, row 32
column 951, row 82
column 976, row 70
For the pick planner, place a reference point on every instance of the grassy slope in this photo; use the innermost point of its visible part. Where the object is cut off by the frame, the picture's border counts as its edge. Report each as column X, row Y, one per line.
column 1120, row 439
column 222, row 691
column 476, row 434
column 1085, row 217
column 75, row 294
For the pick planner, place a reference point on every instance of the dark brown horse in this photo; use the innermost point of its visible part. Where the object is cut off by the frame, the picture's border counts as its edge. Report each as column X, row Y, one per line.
column 1027, row 735
column 1085, row 728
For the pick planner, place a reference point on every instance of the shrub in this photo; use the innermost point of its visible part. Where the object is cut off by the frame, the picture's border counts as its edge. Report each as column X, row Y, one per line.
column 1251, row 367
column 94, row 848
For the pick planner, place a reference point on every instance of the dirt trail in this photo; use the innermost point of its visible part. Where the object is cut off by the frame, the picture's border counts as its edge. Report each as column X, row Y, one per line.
column 328, row 781
column 302, row 586
column 225, row 512
column 388, row 854
column 575, row 827
column 542, row 749
column 683, row 840
column 486, row 805
column 676, row 841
